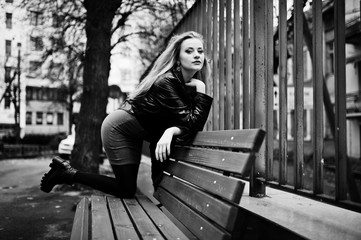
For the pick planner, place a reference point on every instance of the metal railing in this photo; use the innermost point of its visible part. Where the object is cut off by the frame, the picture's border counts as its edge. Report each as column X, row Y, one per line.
column 252, row 45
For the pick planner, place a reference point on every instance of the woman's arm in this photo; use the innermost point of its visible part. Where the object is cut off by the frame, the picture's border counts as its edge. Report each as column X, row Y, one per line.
column 163, row 147
column 190, row 117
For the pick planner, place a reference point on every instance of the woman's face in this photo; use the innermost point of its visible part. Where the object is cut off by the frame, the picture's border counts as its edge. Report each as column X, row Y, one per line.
column 191, row 55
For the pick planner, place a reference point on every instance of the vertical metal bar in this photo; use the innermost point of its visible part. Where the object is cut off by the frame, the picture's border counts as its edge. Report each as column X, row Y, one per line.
column 282, row 91
column 209, row 54
column 229, row 87
column 191, row 19
column 221, row 65
column 253, row 180
column 259, row 93
column 299, row 95
column 317, row 94
column 215, row 66
column 251, row 66
column 203, row 17
column 186, row 22
column 245, row 65
column 195, row 14
column 340, row 93
column 209, row 25
column 269, row 79
column 192, row 26
column 237, row 64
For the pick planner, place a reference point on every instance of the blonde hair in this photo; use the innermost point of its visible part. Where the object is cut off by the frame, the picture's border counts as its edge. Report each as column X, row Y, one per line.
column 167, row 60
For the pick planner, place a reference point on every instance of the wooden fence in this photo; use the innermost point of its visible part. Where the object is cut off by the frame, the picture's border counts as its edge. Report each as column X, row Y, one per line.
column 251, row 44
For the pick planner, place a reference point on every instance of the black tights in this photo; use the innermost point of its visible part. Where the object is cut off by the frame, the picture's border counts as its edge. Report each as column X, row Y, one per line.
column 124, row 184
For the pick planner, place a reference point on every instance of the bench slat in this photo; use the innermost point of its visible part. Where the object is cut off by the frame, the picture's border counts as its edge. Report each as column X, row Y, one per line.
column 223, row 186
column 199, row 226
column 101, row 224
column 80, row 225
column 166, row 226
column 144, row 225
column 123, row 226
column 219, row 211
column 235, row 162
column 240, row 139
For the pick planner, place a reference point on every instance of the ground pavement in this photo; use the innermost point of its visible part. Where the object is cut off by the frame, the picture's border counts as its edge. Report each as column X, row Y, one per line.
column 28, row 213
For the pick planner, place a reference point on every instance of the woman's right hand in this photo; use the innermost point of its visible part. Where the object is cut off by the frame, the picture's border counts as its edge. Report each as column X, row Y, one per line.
column 198, row 84
column 163, row 147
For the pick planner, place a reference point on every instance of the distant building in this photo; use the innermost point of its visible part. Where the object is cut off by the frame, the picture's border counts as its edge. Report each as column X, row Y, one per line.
column 42, row 106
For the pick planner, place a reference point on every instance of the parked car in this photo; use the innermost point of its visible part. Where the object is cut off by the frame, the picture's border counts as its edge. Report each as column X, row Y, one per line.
column 66, row 146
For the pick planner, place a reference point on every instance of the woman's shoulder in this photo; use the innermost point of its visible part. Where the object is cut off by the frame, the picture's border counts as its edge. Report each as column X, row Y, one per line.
column 166, row 78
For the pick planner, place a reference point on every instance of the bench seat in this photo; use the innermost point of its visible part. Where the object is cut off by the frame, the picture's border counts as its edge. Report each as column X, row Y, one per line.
column 197, row 198
column 107, row 217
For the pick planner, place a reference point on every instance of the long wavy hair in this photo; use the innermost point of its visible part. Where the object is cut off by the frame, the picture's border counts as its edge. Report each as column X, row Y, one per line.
column 167, row 60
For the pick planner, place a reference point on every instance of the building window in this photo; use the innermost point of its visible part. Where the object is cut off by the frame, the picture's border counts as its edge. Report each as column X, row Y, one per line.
column 39, row 94
column 60, row 119
column 9, row 21
column 39, row 118
column 29, row 93
column 49, row 118
column 46, row 94
column 36, row 18
column 55, row 70
column 7, row 48
column 34, row 94
column 51, row 93
column 7, row 74
column 34, row 68
column 36, row 43
column 29, row 116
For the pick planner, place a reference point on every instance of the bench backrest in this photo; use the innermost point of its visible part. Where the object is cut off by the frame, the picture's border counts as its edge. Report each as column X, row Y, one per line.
column 198, row 186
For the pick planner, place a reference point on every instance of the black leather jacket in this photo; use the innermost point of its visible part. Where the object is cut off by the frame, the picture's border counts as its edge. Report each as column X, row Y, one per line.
column 169, row 103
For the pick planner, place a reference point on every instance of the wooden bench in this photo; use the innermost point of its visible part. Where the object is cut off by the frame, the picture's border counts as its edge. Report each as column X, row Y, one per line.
column 198, row 195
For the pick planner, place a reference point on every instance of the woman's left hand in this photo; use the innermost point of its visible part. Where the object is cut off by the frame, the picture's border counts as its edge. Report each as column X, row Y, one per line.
column 198, row 84
column 162, row 149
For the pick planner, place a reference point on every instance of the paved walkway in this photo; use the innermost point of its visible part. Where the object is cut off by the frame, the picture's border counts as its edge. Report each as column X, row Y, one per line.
column 28, row 213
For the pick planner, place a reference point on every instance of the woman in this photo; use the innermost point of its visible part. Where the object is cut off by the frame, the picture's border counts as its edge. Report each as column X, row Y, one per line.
column 169, row 105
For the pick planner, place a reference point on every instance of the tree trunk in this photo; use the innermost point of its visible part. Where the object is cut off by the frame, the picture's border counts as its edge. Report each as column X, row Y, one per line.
column 85, row 155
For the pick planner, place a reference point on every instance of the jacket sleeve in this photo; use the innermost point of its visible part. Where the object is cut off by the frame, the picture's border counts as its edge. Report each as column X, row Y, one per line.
column 189, row 115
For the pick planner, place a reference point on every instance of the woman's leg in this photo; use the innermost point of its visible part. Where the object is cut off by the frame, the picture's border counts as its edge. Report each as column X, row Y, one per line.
column 122, row 138
column 123, row 185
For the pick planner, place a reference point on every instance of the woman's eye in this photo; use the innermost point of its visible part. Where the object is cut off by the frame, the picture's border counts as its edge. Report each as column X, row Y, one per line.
column 188, row 51
column 200, row 51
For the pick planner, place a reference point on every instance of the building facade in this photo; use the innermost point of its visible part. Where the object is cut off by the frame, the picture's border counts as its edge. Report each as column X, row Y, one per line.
column 41, row 108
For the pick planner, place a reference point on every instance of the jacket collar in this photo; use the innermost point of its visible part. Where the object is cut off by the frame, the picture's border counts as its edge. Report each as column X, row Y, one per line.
column 178, row 74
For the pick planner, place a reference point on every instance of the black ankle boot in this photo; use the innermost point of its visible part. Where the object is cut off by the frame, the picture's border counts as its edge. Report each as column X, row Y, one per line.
column 60, row 172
